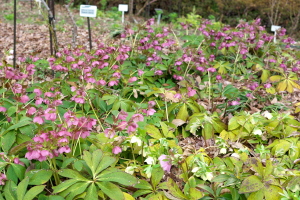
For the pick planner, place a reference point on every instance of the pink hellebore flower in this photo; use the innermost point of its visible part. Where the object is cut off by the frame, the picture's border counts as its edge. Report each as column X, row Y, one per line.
column 122, row 115
column 191, row 92
column 219, row 77
column 17, row 161
column 112, row 83
column 132, row 79
column 38, row 119
column 3, row 109
column 121, row 126
column 267, row 85
column 150, row 112
column 64, row 149
column 132, row 127
column 109, row 132
column 234, row 103
column 165, row 162
column 137, row 118
column 50, row 114
column 117, row 150
column 24, row 99
column 211, row 69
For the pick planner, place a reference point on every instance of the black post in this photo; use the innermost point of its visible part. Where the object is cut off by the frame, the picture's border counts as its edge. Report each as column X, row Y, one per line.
column 89, row 28
column 90, row 35
column 50, row 26
column 15, row 31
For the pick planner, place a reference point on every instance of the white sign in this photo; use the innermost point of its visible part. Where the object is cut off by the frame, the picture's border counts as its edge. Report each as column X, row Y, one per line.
column 123, row 7
column 159, row 12
column 275, row 28
column 88, row 11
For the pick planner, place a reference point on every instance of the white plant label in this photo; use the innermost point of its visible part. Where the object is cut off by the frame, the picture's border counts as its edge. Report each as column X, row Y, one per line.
column 123, row 7
column 275, row 28
column 88, row 11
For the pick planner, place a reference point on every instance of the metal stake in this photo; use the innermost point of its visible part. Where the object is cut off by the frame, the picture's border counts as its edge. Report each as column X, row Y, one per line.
column 15, row 32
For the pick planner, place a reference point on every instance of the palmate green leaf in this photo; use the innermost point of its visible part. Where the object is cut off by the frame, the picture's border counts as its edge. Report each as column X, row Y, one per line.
column 118, row 177
column 77, row 191
column 64, row 185
column 92, row 160
column 21, row 123
column 271, row 192
column 153, row 131
column 33, row 192
column 8, row 140
column 183, row 113
column 208, row 131
column 218, row 125
column 39, row 176
column 141, row 192
column 174, row 190
column 19, row 170
column 105, row 163
column 92, row 192
column 9, row 190
column 22, row 187
column 73, row 189
column 251, row 184
column 143, row 184
column 256, row 195
column 156, row 176
column 111, row 190
column 72, row 174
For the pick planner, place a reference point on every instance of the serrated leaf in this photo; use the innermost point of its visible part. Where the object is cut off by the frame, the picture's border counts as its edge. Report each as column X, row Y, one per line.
column 96, row 160
column 141, row 192
column 220, row 178
column 128, row 196
column 92, row 192
column 33, row 192
column 73, row 188
column 64, row 185
column 183, row 113
column 38, row 177
column 105, row 163
column 9, row 190
column 19, row 170
column 111, row 190
column 22, row 187
column 119, row 177
column 8, row 140
column 78, row 190
column 153, row 131
column 21, row 123
column 271, row 192
column 174, row 189
column 143, row 184
column 72, row 174
column 276, row 78
column 156, row 176
column 251, row 184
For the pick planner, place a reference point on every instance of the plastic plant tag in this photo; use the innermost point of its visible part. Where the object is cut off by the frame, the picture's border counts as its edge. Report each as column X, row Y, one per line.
column 88, row 11
column 275, row 28
column 123, row 7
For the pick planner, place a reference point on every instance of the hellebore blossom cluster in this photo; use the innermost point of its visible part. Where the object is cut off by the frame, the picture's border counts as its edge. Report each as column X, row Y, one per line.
column 2, row 179
column 52, row 143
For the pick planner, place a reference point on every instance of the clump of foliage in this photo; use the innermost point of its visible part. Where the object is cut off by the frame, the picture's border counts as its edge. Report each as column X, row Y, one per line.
column 154, row 115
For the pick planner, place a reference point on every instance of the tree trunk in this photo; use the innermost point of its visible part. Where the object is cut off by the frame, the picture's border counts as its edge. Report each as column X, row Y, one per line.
column 131, row 19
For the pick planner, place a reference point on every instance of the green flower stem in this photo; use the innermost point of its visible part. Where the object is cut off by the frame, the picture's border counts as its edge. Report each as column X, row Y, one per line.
column 54, row 169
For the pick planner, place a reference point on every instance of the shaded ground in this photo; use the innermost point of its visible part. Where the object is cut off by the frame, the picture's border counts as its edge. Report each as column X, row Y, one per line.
column 33, row 32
